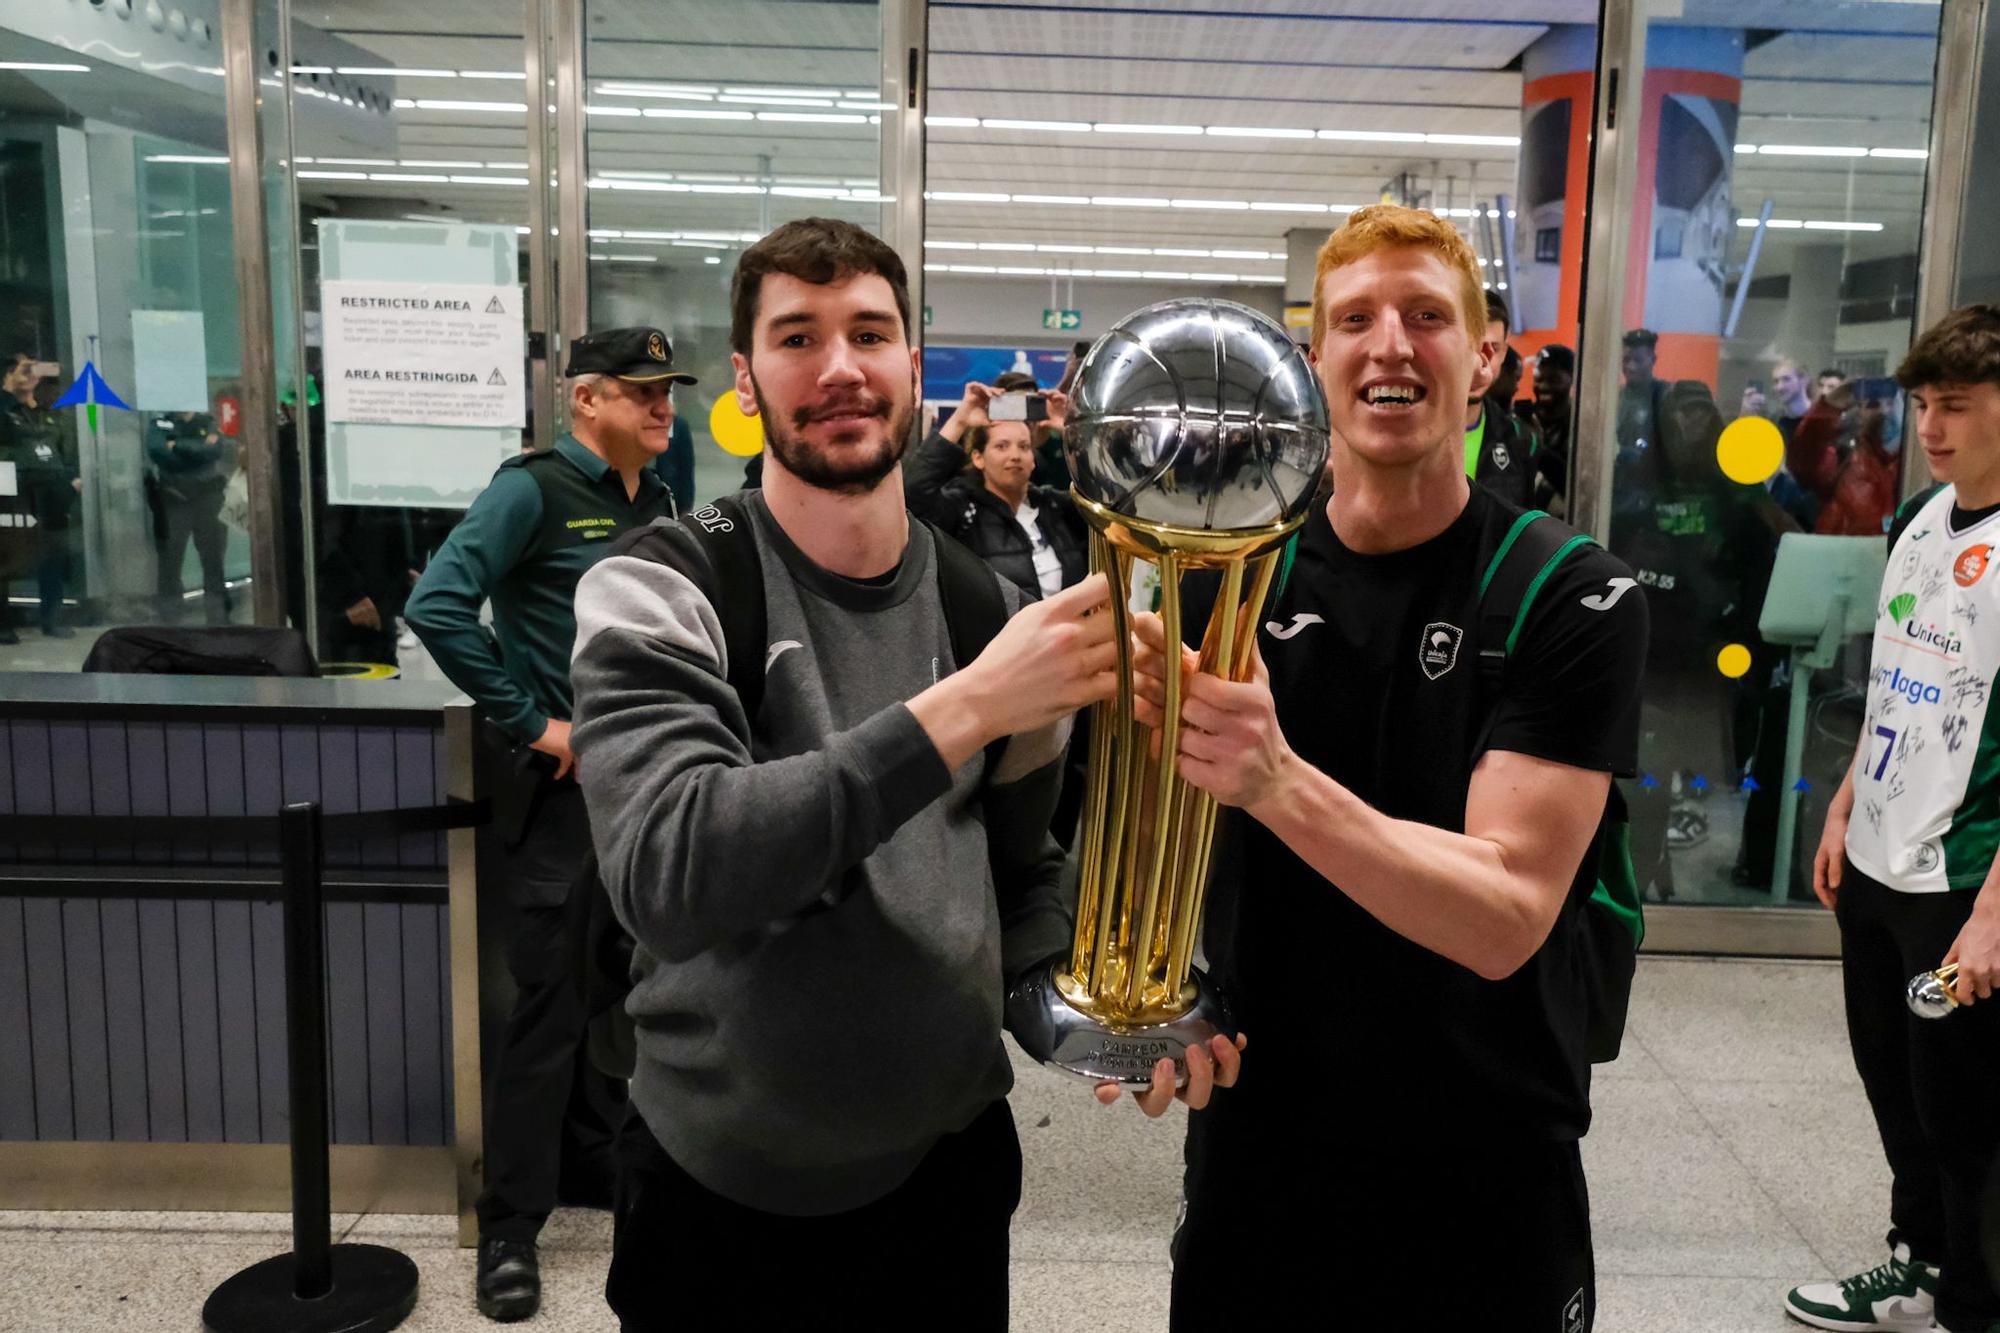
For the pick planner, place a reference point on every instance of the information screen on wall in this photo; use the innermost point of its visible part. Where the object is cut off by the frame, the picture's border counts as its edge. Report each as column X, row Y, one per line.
column 422, row 354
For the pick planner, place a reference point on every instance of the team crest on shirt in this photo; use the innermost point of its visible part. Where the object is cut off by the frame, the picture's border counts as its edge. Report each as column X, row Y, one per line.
column 1438, row 652
column 1501, row 458
column 1971, row 564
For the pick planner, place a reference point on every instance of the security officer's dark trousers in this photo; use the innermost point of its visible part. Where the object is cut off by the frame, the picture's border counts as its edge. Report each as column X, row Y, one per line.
column 193, row 512
column 551, row 1117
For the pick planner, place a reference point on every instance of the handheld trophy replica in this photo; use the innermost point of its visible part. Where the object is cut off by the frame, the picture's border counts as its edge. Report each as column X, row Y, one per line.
column 1929, row 993
column 1196, row 437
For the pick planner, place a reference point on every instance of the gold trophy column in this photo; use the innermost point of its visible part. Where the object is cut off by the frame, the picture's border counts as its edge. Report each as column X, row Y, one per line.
column 1149, row 836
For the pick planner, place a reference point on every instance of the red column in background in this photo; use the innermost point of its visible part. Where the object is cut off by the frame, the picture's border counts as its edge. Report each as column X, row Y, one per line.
column 1560, row 79
column 1680, row 296
column 1683, row 219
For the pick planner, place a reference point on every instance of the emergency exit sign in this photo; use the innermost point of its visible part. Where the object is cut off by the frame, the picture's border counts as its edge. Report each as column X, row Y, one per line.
column 1062, row 319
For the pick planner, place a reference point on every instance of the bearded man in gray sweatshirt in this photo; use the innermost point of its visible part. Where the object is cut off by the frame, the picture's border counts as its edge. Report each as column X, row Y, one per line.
column 829, row 896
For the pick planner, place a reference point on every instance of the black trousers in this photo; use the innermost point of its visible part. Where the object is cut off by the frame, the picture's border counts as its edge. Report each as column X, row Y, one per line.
column 1934, row 1084
column 193, row 515
column 551, row 1118
column 52, row 573
column 1289, row 1226
column 931, row 1254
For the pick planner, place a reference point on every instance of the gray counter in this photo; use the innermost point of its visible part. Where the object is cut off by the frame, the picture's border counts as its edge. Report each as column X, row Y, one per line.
column 140, row 942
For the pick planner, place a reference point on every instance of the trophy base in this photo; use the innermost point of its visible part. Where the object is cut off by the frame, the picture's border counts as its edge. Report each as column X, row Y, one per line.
column 1063, row 1037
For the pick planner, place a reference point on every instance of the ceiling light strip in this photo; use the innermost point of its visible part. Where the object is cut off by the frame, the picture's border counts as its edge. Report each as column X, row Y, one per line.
column 1222, row 131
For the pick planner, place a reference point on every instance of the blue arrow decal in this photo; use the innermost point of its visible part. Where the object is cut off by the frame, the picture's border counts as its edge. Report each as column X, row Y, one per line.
column 90, row 388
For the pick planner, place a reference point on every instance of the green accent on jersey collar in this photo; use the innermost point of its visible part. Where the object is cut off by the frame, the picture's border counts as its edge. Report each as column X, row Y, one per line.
column 1475, row 439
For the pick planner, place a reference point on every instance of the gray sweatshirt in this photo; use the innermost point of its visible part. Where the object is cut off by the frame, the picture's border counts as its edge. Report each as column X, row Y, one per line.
column 825, row 916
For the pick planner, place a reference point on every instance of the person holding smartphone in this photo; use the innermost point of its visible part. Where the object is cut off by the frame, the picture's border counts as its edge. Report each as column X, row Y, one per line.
column 974, row 478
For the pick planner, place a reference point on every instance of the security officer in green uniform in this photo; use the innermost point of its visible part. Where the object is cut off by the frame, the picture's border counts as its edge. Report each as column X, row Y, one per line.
column 189, row 463
column 543, row 519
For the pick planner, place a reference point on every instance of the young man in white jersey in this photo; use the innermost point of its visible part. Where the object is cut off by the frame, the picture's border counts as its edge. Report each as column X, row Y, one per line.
column 1908, row 858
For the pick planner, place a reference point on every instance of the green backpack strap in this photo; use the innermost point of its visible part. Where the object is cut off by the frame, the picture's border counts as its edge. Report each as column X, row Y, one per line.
column 1284, row 571
column 1531, row 552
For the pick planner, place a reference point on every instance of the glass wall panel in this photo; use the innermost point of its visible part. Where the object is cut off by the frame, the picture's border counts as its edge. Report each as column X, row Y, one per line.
column 118, row 306
column 1768, row 294
column 708, row 122
column 412, row 170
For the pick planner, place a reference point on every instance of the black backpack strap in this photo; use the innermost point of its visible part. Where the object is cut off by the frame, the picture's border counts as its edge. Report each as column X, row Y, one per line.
column 974, row 607
column 722, row 529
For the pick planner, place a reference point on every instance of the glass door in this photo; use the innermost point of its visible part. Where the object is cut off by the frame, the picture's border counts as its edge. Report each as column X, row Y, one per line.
column 1763, row 283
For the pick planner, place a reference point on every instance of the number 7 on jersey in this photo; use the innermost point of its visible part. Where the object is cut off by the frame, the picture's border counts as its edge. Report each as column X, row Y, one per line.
column 1888, row 734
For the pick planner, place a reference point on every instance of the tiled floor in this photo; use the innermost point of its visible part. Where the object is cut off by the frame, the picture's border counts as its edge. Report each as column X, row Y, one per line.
column 1732, row 1156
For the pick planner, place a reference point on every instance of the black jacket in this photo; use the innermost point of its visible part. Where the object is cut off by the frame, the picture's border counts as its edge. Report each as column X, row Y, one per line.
column 1506, row 456
column 936, row 487
column 31, row 438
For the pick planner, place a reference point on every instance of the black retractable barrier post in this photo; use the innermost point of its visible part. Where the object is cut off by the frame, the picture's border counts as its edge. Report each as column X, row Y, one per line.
column 305, row 1039
column 319, row 1287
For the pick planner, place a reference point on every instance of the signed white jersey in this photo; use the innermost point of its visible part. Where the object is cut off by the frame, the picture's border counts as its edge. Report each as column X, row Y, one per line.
column 1927, row 775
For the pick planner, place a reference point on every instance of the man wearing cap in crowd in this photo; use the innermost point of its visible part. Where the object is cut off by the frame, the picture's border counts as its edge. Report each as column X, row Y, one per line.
column 1555, row 376
column 1641, row 396
column 543, row 519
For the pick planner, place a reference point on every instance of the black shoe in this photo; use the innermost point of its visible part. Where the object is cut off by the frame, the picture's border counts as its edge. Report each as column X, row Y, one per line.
column 509, row 1286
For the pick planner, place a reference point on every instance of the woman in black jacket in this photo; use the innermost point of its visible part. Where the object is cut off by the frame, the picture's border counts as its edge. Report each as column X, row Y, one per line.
column 1031, row 535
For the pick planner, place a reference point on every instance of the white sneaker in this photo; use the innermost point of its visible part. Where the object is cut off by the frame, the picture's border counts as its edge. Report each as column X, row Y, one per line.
column 1895, row 1296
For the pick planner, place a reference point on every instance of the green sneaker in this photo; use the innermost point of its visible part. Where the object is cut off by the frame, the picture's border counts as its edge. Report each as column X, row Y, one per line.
column 1895, row 1296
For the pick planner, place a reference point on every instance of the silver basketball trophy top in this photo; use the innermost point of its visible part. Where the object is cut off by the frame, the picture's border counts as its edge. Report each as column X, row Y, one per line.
column 1198, row 414
column 1196, row 438
column 1929, row 994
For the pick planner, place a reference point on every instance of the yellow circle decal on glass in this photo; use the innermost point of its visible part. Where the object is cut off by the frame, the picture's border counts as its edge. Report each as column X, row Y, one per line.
column 736, row 433
column 1750, row 450
column 1733, row 661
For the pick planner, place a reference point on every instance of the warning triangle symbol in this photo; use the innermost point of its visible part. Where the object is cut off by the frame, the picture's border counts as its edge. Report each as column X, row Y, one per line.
column 496, row 377
column 493, row 307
